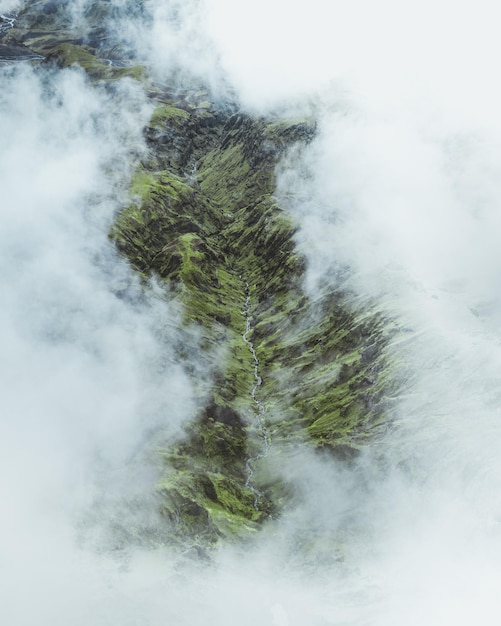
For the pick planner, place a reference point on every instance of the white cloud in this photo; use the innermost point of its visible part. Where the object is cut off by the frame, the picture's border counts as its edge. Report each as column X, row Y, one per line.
column 400, row 191
column 8, row 6
column 87, row 374
column 398, row 200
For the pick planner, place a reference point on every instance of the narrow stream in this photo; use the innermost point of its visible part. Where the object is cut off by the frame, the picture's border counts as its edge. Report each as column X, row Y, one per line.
column 259, row 406
column 6, row 22
column 12, row 51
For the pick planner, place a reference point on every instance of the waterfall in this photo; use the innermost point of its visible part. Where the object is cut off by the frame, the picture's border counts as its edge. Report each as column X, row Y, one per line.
column 259, row 406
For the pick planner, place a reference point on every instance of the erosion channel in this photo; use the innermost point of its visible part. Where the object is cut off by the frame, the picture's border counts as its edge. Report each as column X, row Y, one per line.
column 302, row 374
column 259, row 407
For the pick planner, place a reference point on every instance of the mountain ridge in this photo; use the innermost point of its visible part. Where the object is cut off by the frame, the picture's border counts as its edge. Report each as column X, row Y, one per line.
column 204, row 222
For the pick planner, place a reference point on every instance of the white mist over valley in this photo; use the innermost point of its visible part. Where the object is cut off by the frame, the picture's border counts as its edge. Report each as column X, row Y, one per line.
column 397, row 202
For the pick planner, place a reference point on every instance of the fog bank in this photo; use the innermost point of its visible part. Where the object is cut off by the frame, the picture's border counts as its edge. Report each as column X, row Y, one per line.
column 88, row 369
column 398, row 205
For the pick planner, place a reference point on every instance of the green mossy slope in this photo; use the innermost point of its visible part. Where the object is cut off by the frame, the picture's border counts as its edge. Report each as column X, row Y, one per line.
column 215, row 233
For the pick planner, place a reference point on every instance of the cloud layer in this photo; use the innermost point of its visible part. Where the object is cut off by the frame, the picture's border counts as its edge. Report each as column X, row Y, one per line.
column 398, row 201
column 88, row 368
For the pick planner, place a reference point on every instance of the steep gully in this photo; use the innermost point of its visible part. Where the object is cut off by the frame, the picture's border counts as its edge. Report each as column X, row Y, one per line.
column 259, row 406
column 205, row 221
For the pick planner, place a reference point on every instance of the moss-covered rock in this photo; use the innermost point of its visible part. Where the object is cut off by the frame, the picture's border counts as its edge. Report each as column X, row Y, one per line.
column 68, row 54
column 216, row 235
column 63, row 34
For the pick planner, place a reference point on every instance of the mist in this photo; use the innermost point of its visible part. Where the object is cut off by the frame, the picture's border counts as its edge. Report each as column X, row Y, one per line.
column 398, row 204
column 89, row 373
column 398, row 199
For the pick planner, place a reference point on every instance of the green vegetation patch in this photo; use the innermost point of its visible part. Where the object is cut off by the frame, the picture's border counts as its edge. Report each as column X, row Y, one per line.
column 216, row 238
column 165, row 114
column 68, row 54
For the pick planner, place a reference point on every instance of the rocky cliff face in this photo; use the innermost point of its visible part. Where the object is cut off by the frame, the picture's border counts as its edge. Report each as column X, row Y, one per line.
column 203, row 220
